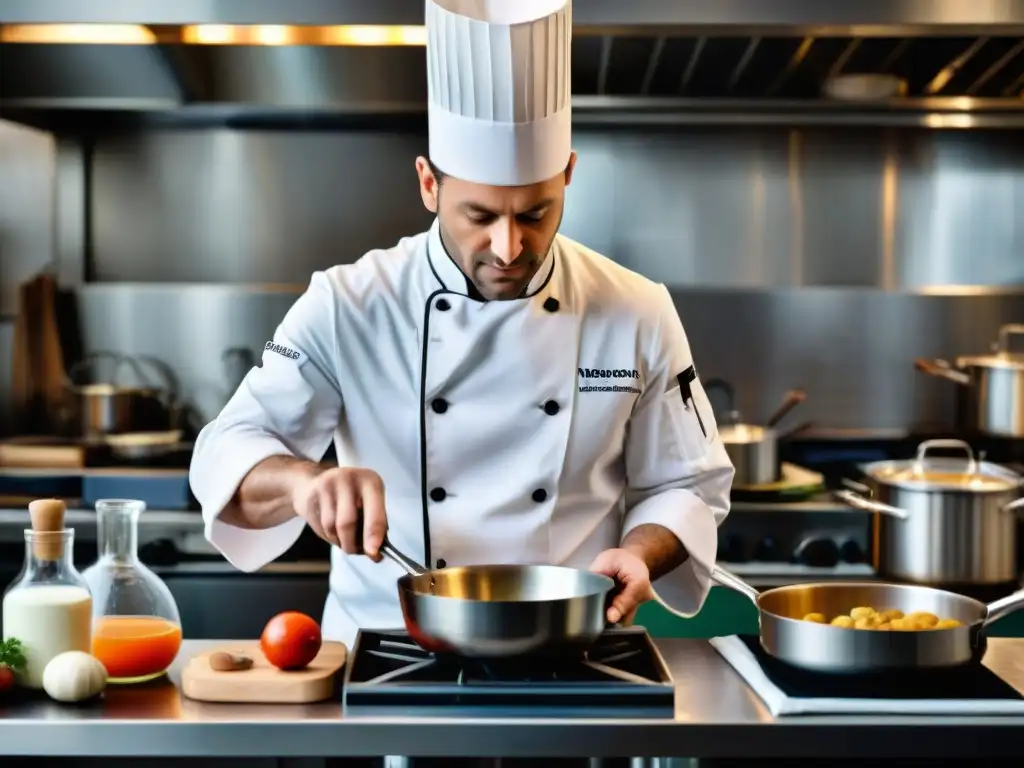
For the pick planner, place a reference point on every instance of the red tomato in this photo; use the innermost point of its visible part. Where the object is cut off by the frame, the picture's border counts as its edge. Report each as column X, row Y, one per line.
column 6, row 677
column 291, row 640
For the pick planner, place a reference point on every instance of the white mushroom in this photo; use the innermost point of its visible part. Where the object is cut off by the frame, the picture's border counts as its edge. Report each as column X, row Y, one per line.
column 74, row 676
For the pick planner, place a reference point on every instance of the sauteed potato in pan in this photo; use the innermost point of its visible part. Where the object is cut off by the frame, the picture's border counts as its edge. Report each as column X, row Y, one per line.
column 866, row 617
column 908, row 627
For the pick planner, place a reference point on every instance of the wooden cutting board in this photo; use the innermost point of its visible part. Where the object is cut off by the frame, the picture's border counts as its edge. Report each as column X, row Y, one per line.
column 264, row 683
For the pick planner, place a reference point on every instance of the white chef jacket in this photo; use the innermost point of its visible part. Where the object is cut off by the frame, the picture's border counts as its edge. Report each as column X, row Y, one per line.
column 536, row 430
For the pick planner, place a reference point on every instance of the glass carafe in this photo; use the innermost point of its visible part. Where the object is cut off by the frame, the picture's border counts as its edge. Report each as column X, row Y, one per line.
column 48, row 607
column 136, row 626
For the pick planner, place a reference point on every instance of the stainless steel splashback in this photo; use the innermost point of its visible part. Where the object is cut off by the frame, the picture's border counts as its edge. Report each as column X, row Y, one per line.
column 851, row 349
column 822, row 259
column 723, row 208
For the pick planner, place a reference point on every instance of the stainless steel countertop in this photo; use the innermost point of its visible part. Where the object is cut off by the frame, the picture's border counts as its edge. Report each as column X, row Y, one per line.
column 716, row 715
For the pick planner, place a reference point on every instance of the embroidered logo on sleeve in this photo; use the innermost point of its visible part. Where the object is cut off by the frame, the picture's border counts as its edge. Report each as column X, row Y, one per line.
column 291, row 354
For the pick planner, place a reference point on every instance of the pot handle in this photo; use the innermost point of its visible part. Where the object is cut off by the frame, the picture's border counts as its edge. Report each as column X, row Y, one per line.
column 923, row 448
column 942, row 370
column 1004, row 606
column 734, row 582
column 867, row 505
column 87, row 361
column 1015, row 506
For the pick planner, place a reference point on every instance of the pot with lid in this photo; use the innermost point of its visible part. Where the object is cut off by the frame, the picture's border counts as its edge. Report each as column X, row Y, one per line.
column 991, row 396
column 752, row 448
column 942, row 520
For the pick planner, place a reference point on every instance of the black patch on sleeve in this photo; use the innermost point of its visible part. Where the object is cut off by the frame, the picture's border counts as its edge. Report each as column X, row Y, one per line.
column 686, row 379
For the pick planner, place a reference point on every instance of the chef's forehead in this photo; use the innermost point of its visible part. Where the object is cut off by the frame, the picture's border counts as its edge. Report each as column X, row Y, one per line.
column 500, row 198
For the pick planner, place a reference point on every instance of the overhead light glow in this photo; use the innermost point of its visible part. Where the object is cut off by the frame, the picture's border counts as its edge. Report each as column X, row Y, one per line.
column 216, row 34
column 106, row 34
column 350, row 34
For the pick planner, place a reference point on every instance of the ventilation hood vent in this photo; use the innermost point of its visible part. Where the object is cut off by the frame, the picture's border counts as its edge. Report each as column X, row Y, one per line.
column 945, row 62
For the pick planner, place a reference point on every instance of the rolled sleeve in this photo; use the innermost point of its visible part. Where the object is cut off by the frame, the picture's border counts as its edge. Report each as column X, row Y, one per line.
column 288, row 406
column 678, row 472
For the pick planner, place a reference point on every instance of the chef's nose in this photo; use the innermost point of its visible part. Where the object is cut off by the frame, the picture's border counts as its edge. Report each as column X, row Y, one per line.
column 507, row 240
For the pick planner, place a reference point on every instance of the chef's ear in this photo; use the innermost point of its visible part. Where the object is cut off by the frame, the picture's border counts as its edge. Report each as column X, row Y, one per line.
column 569, row 167
column 429, row 184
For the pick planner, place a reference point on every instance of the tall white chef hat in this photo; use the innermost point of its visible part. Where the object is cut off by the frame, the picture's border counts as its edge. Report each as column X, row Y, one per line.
column 499, row 89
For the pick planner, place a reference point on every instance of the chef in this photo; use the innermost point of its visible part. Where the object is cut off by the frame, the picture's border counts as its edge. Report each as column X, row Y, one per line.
column 496, row 392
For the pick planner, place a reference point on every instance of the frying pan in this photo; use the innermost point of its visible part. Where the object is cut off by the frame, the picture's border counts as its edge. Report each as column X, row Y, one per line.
column 824, row 648
column 499, row 611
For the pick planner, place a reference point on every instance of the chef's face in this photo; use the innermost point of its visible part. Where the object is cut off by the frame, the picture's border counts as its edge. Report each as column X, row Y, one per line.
column 497, row 235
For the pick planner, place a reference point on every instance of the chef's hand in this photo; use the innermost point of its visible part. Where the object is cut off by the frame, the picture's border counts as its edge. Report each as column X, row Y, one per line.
column 633, row 580
column 345, row 507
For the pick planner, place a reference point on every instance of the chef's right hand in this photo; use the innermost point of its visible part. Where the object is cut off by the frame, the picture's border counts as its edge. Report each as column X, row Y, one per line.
column 345, row 507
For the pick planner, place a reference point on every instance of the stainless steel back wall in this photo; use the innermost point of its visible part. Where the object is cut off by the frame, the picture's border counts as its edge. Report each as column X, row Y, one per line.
column 795, row 256
column 851, row 349
column 716, row 207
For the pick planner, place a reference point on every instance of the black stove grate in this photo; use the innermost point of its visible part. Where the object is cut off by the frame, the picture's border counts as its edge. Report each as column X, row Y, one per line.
column 622, row 675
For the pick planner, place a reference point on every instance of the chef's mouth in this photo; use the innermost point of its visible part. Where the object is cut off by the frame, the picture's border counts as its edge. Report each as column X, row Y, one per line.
column 508, row 270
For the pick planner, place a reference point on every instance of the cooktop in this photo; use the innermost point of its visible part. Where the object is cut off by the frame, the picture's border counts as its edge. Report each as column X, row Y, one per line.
column 786, row 690
column 621, row 675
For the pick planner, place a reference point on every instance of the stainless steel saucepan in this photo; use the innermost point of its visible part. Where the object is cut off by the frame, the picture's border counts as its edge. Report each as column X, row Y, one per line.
column 822, row 647
column 990, row 395
column 497, row 611
column 942, row 520
column 752, row 448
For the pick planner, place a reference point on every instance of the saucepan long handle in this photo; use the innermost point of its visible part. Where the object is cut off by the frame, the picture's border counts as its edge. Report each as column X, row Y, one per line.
column 392, row 553
column 732, row 581
column 942, row 370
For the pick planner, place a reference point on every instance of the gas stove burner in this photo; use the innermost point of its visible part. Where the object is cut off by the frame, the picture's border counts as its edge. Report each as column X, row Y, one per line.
column 621, row 675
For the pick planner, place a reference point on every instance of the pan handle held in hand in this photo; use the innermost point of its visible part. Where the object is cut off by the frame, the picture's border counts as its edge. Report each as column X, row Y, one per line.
column 392, row 553
column 734, row 582
column 405, row 562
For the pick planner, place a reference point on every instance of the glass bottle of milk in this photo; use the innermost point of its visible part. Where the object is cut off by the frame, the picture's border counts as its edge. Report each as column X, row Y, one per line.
column 48, row 607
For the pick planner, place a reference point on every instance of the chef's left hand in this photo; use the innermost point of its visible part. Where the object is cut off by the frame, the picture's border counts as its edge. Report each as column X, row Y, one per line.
column 632, row 579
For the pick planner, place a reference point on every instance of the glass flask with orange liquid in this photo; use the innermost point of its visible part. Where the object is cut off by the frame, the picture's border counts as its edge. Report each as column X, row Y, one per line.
column 136, row 629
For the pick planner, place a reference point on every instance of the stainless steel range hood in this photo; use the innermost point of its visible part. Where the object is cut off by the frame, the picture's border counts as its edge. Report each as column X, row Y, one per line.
column 959, row 60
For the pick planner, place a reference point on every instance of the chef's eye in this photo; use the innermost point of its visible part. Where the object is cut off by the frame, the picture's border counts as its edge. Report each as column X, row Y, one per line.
column 481, row 218
column 532, row 217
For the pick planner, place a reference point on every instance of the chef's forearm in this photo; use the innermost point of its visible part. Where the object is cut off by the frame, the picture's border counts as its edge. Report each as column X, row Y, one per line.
column 657, row 546
column 264, row 497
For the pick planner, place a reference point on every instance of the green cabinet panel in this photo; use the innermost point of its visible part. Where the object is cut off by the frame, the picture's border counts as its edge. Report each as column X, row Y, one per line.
column 727, row 612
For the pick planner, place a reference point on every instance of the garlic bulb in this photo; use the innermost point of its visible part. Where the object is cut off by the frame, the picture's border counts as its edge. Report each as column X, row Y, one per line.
column 74, row 676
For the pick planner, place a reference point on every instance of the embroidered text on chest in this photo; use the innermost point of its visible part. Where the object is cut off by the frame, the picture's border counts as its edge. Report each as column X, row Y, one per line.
column 608, row 380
